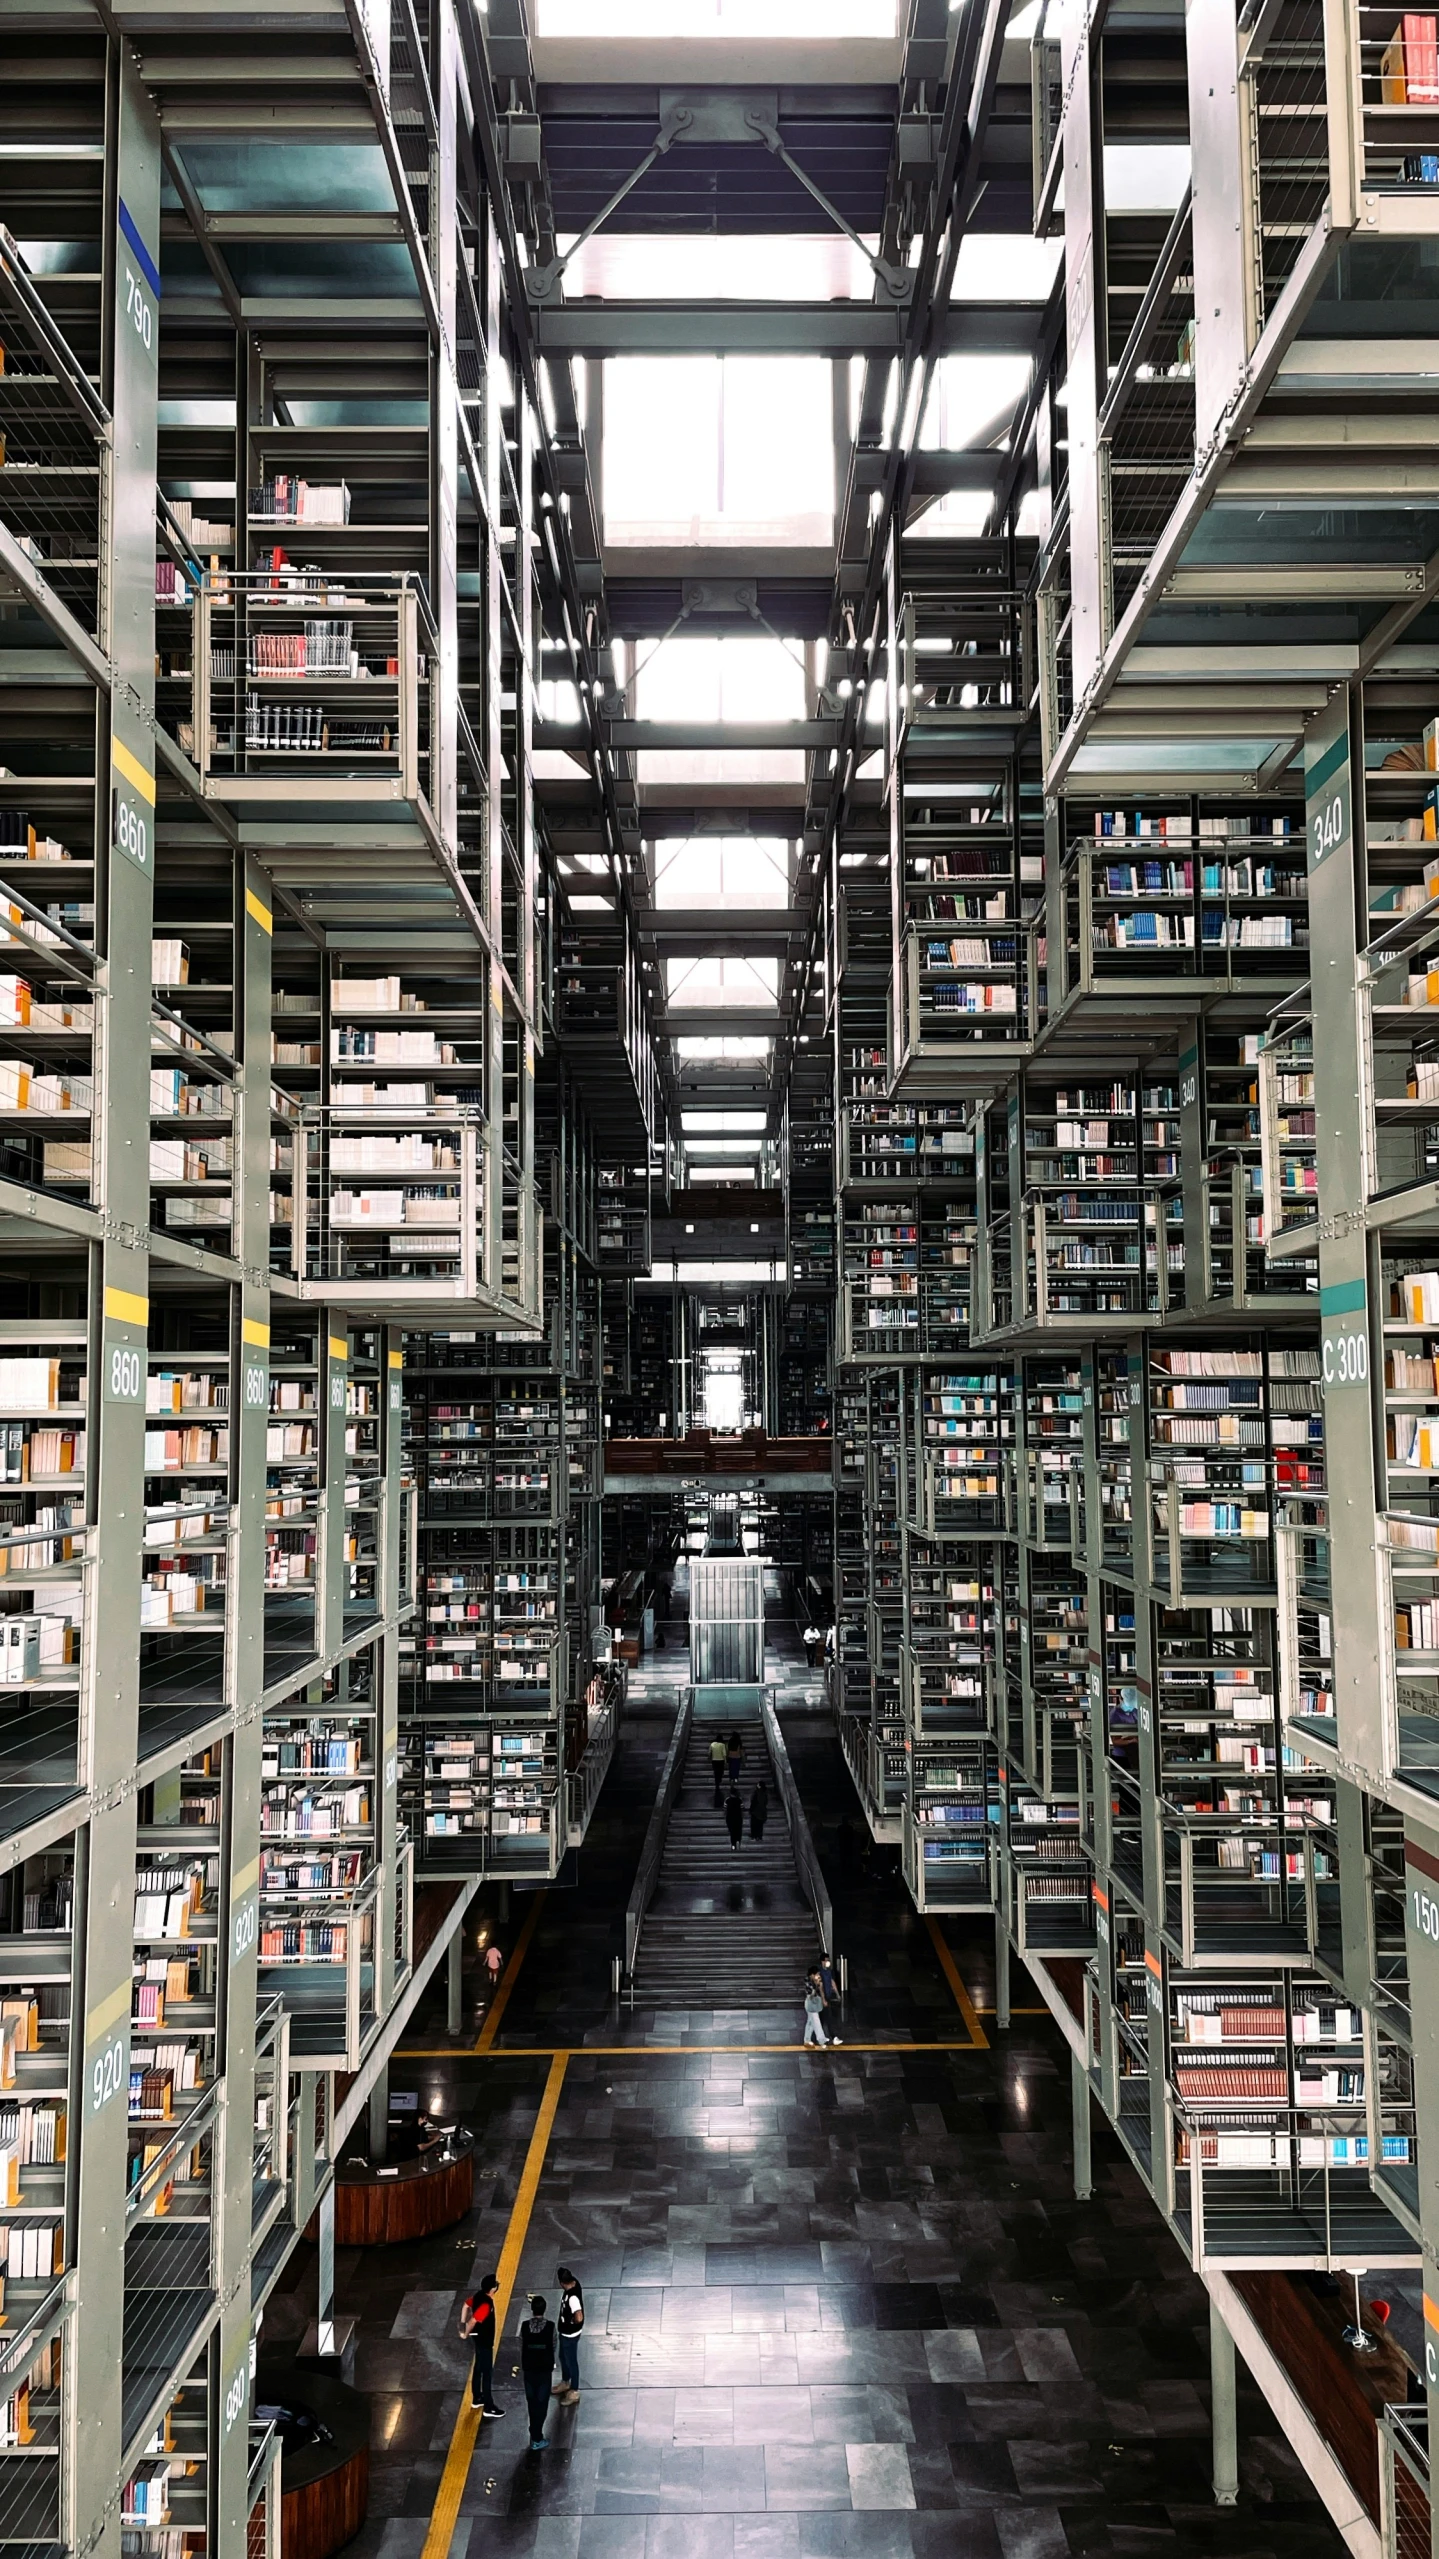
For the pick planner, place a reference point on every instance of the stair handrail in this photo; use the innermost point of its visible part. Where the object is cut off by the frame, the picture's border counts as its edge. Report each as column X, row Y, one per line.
column 647, row 1872
column 805, row 1856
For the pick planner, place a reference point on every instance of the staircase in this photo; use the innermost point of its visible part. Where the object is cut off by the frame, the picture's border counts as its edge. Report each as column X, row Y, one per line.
column 727, row 1928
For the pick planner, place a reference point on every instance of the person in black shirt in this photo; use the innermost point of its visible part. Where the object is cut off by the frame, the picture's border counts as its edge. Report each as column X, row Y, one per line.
column 571, row 2321
column 537, row 2365
column 734, row 1816
column 478, row 2321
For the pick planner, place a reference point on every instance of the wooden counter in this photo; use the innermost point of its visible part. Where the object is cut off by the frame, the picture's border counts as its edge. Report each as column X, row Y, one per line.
column 375, row 2208
column 325, row 2487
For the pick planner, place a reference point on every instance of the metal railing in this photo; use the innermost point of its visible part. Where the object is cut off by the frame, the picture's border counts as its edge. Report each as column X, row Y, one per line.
column 1404, row 2527
column 805, row 1857
column 1275, row 2185
column 374, row 1189
column 310, row 684
column 647, row 1872
column 583, row 1784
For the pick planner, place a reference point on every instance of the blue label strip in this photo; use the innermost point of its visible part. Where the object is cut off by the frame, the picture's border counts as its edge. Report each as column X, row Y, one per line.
column 148, row 268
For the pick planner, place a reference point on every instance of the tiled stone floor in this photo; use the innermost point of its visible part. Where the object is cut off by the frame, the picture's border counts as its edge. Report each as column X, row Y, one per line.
column 839, row 2307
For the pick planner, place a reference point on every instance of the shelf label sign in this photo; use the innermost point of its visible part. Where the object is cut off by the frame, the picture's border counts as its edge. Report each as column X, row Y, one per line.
column 107, row 2050
column 1344, row 1335
column 255, row 1356
column 139, row 283
column 1328, row 795
column 245, row 1912
column 132, row 807
column 123, row 1345
column 237, row 2383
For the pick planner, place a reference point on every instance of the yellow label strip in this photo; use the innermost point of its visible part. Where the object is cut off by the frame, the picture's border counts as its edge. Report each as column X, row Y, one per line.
column 98, row 2021
column 133, row 770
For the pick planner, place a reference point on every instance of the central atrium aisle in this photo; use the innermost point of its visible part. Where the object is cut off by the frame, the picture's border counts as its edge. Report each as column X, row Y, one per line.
column 839, row 2306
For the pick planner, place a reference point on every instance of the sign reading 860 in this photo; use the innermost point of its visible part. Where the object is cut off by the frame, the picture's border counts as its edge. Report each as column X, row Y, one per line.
column 124, row 1370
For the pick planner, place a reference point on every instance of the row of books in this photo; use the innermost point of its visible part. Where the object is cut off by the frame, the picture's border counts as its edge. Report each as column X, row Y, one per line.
column 323, row 1941
column 43, row 1096
column 1180, row 828
column 1414, row 1440
column 38, row 1454
column 332, row 1754
column 323, row 647
column 20, row 837
column 32, row 2251
column 315, row 1816
column 194, row 1445
column 33, row 2135
column 307, row 728
column 1416, row 1626
column 287, row 499
column 34, row 1645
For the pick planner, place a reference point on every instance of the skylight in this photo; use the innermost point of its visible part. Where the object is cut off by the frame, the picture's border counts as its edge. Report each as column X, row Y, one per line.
column 1005, row 266
column 633, row 266
column 718, row 1123
column 732, row 1050
column 745, row 678
column 722, row 870
column 707, row 450
column 972, row 400
column 749, row 18
column 746, row 984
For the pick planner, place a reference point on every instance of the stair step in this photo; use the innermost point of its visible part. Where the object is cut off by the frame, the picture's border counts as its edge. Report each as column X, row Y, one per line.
column 721, row 1958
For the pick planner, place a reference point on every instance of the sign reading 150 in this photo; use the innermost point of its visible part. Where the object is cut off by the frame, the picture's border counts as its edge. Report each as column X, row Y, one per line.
column 1426, row 1914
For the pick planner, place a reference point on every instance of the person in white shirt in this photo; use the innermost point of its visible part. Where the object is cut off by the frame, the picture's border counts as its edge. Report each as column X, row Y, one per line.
column 570, row 2323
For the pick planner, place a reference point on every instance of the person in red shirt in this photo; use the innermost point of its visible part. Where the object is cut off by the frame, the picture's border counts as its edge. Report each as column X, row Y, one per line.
column 478, row 2321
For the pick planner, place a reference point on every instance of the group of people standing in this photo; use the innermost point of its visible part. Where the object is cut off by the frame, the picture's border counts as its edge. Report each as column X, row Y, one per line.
column 726, row 1762
column 541, row 2338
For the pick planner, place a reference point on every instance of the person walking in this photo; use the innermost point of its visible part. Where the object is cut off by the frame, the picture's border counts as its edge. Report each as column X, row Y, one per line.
column 813, row 1646
column 814, row 2014
column 734, row 1755
column 717, row 1761
column 570, row 2323
column 827, row 1981
column 734, row 1816
column 478, row 2321
column 758, row 1810
column 537, row 2367
column 494, row 1965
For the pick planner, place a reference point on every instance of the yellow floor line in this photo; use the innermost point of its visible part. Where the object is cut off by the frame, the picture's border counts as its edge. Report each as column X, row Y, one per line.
column 446, row 2508
column 629, row 2052
column 950, row 1969
column 501, row 1999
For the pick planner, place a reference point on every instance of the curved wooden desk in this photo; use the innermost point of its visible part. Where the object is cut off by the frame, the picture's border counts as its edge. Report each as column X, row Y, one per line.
column 375, row 2207
column 325, row 2487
